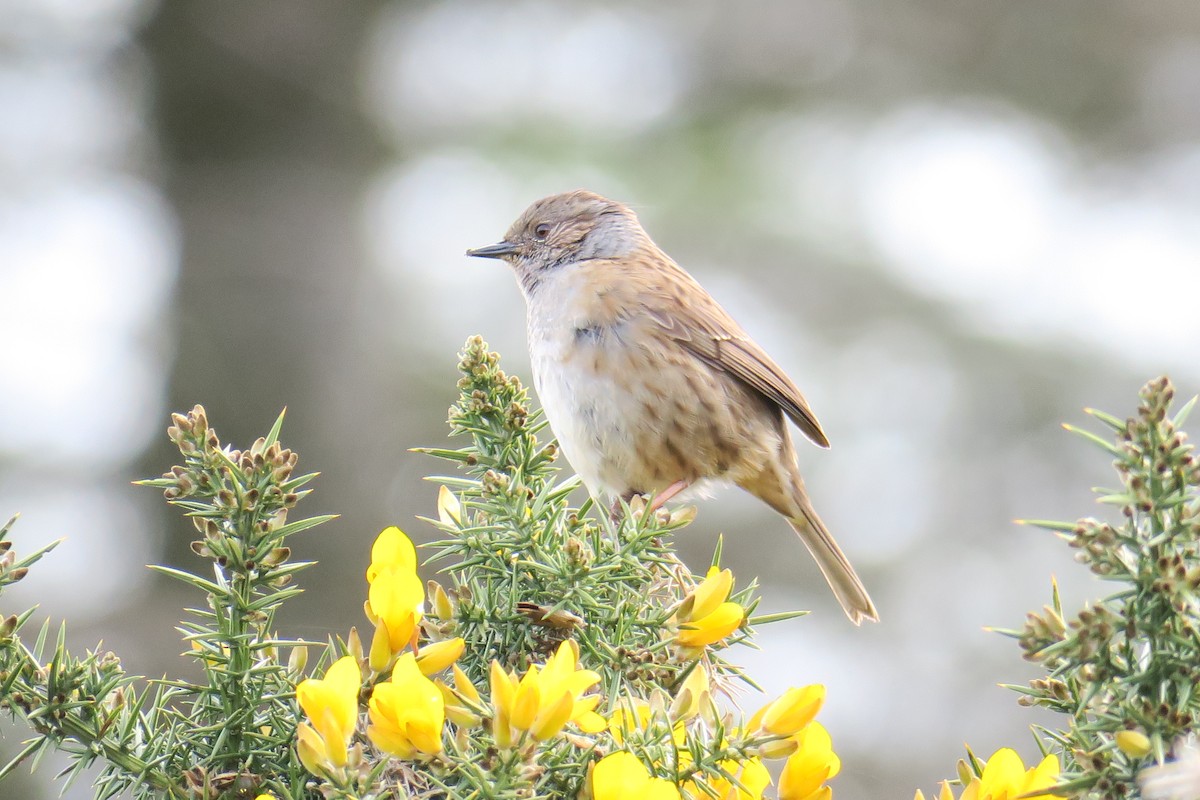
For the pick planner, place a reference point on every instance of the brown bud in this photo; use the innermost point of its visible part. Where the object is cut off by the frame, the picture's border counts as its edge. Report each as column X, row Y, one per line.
column 277, row 556
column 559, row 619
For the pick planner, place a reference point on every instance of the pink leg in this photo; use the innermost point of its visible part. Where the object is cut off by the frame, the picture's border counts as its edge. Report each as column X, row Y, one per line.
column 666, row 494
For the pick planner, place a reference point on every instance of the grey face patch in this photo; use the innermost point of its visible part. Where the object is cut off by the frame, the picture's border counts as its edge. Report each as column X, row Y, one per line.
column 607, row 235
column 611, row 236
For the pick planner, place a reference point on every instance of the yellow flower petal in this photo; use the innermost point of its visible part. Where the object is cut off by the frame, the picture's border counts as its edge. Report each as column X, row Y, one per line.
column 622, row 776
column 380, row 656
column 434, row 658
column 580, row 681
column 390, row 739
column 1004, row 777
column 944, row 792
column 545, row 698
column 712, row 592
column 310, row 747
column 810, row 766
column 463, row 685
column 1002, row 774
column 503, row 695
column 463, row 717
column 712, row 628
column 397, row 598
column 331, row 704
column 442, row 607
column 392, row 549
column 692, row 695
column 552, row 716
column 407, row 712
column 526, row 701
column 794, row 710
column 1043, row 776
column 449, row 509
column 590, row 722
column 660, row 789
column 754, row 777
column 561, row 665
column 456, row 709
column 584, row 705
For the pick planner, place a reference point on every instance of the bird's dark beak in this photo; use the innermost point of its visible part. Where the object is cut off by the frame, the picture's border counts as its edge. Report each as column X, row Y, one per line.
column 497, row 250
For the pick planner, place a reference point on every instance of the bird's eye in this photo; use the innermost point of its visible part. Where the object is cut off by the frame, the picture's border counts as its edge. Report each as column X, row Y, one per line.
column 542, row 230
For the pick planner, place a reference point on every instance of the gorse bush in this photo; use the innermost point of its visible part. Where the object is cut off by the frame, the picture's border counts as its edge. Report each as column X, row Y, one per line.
column 547, row 651
column 555, row 655
column 548, row 617
column 1123, row 671
column 175, row 738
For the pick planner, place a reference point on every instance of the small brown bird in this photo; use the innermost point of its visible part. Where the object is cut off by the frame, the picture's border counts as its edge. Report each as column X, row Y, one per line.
column 649, row 385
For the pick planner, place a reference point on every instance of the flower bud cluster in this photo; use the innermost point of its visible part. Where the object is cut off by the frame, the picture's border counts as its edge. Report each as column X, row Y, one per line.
column 1124, row 669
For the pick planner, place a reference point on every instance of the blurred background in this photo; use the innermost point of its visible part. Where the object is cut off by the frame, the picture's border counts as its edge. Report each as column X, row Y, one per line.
column 954, row 223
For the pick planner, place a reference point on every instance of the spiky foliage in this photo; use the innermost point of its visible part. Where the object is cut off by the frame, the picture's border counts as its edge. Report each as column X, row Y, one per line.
column 1125, row 670
column 229, row 735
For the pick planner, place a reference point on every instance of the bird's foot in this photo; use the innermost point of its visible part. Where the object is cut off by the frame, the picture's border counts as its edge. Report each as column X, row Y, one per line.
column 666, row 494
column 615, row 509
column 615, row 512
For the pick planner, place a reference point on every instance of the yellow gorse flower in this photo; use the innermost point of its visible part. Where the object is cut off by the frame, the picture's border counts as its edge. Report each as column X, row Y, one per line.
column 1004, row 777
column 706, row 615
column 396, row 597
column 791, row 713
column 752, row 774
column 944, row 793
column 463, row 704
column 392, row 550
column 436, row 657
column 544, row 700
column 448, row 506
column 813, row 763
column 788, row 728
column 331, row 704
column 622, row 776
column 407, row 712
column 692, row 696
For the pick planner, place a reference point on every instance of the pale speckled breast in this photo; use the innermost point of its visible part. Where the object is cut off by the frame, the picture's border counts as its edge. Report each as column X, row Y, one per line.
column 634, row 412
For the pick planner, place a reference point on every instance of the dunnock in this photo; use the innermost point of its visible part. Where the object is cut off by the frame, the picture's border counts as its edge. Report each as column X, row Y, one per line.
column 647, row 382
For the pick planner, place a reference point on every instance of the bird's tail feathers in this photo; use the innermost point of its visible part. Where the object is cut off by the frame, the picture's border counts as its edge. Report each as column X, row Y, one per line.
column 844, row 582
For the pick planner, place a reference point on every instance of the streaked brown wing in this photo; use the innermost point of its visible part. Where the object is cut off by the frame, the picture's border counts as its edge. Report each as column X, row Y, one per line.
column 709, row 333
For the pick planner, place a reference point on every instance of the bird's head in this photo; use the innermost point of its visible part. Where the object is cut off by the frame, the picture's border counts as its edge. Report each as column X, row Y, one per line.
column 564, row 229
